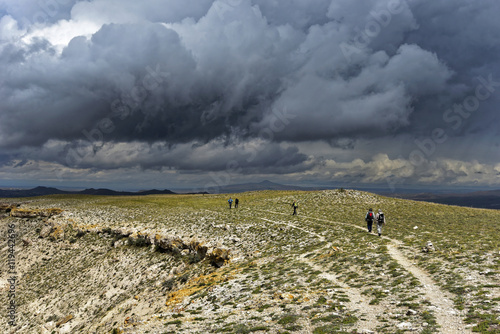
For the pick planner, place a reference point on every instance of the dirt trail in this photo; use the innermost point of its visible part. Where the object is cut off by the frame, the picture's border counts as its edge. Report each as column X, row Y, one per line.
column 448, row 318
column 446, row 315
column 367, row 314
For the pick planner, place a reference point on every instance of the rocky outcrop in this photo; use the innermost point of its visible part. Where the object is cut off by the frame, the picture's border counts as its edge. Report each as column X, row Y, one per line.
column 34, row 213
column 194, row 249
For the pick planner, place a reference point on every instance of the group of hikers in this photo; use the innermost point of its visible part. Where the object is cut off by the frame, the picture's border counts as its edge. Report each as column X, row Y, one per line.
column 370, row 217
column 236, row 202
column 379, row 218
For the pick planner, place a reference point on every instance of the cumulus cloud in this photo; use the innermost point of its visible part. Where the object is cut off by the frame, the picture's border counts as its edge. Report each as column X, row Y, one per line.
column 191, row 85
column 380, row 169
column 214, row 156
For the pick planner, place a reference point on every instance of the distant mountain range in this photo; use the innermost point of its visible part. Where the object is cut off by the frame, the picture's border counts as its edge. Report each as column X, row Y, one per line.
column 42, row 191
column 478, row 199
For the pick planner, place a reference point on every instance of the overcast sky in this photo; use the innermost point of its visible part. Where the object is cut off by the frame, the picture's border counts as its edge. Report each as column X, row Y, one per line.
column 198, row 94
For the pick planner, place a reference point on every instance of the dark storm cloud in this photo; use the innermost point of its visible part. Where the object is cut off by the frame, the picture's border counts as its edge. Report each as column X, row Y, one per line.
column 225, row 72
column 222, row 74
column 464, row 35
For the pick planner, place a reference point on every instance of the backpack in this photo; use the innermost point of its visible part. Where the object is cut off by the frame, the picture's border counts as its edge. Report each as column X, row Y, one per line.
column 381, row 218
column 370, row 216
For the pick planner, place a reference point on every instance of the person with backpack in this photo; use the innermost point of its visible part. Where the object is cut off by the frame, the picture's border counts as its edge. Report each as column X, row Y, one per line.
column 230, row 201
column 380, row 221
column 294, row 206
column 236, row 202
column 369, row 218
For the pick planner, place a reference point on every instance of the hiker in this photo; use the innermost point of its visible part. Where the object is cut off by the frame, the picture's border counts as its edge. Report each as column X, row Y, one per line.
column 236, row 201
column 380, row 221
column 370, row 217
column 230, row 201
column 294, row 206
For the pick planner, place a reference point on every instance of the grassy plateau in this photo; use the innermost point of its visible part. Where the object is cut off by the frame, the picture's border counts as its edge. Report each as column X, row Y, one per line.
column 189, row 264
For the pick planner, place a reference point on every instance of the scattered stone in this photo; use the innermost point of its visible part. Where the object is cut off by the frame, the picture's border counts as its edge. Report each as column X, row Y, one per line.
column 286, row 296
column 64, row 320
column 131, row 321
column 404, row 325
column 429, row 247
column 411, row 312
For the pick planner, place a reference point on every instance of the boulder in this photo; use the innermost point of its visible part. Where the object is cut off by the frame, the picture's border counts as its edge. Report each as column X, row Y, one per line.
column 45, row 231
column 429, row 247
column 198, row 247
column 219, row 256
column 171, row 244
column 57, row 232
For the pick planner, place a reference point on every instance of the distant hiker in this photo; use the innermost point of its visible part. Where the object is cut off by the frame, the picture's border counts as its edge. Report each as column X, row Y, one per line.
column 236, row 201
column 230, row 201
column 380, row 218
column 370, row 217
column 294, row 206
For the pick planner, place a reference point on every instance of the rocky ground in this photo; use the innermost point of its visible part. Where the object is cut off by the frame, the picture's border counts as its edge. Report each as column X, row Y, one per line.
column 189, row 264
